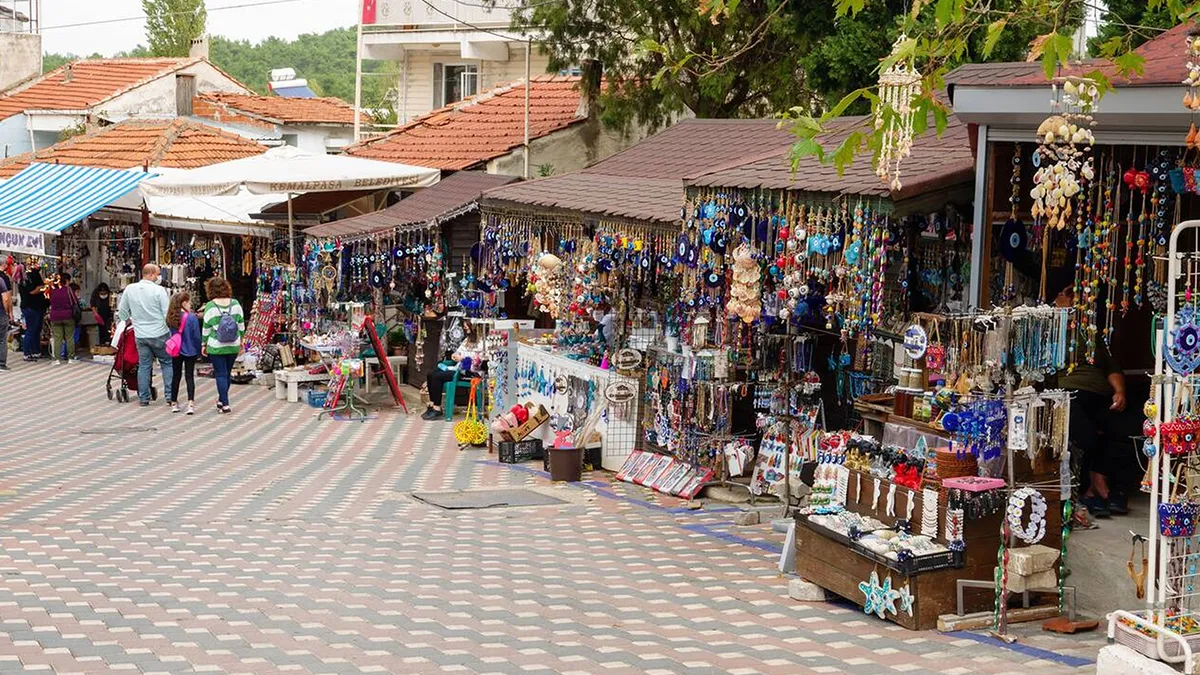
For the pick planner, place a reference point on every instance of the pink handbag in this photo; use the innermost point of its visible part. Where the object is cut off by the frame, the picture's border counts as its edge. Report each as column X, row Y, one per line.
column 175, row 342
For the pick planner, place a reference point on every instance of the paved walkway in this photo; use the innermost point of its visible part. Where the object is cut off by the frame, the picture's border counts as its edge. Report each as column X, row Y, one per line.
column 267, row 541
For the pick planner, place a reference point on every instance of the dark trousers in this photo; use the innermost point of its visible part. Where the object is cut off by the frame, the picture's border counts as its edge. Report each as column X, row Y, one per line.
column 183, row 366
column 31, row 342
column 436, row 381
column 1103, row 437
column 222, row 371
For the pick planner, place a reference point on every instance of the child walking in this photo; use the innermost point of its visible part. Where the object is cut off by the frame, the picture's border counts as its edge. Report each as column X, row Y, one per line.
column 185, row 324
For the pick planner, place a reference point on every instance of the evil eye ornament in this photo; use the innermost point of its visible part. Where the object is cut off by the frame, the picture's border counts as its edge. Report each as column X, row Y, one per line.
column 718, row 243
column 681, row 247
column 604, row 265
column 712, row 280
column 1182, row 346
column 853, row 252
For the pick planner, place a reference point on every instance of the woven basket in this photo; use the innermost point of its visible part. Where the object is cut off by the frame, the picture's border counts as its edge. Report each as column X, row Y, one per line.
column 950, row 465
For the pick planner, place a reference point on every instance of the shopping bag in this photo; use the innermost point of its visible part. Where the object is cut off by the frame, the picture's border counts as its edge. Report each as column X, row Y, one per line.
column 118, row 331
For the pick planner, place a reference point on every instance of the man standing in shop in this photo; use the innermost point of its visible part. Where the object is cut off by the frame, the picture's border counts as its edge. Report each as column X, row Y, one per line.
column 146, row 303
column 1098, row 429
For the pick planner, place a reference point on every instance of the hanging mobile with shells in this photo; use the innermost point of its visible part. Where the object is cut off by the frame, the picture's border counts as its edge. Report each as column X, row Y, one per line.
column 1063, row 160
column 1191, row 95
column 898, row 86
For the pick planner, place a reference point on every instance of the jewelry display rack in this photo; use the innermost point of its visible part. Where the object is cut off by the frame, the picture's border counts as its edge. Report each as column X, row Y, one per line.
column 1169, row 627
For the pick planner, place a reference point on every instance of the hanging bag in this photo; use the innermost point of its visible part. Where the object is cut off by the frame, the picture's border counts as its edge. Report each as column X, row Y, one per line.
column 1177, row 518
column 472, row 430
column 175, row 342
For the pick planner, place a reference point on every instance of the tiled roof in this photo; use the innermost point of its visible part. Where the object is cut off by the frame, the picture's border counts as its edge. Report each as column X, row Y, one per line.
column 178, row 143
column 645, row 182
column 276, row 108
column 934, row 163
column 451, row 196
column 1165, row 64
column 81, row 84
column 481, row 128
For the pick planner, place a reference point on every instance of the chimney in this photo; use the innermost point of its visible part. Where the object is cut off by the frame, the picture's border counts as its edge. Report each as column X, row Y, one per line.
column 68, row 74
column 199, row 47
column 591, row 72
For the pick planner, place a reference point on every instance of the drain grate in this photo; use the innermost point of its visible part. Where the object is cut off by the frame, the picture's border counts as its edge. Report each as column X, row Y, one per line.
column 455, row 500
column 117, row 430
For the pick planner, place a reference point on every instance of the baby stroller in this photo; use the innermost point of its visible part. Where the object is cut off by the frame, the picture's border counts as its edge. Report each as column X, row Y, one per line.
column 125, row 368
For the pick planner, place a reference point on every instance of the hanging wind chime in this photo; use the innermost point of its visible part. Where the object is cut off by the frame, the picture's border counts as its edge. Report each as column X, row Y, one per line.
column 898, row 86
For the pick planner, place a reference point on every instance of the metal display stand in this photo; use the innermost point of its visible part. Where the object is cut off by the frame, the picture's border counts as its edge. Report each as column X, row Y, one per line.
column 1172, row 598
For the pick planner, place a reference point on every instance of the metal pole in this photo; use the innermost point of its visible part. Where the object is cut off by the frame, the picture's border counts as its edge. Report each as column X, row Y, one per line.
column 357, row 77
column 291, row 233
column 528, row 49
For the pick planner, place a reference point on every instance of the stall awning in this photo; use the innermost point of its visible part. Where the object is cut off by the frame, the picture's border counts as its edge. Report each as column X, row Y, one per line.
column 50, row 198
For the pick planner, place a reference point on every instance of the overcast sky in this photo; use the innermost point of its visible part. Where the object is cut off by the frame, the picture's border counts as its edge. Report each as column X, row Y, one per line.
column 285, row 20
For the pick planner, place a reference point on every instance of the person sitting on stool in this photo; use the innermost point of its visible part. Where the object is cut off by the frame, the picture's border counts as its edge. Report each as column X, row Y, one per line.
column 461, row 361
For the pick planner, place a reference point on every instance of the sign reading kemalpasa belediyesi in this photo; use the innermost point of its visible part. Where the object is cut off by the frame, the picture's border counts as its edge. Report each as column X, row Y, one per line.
column 22, row 241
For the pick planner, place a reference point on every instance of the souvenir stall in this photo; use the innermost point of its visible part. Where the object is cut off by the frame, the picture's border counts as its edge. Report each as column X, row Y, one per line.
column 605, row 284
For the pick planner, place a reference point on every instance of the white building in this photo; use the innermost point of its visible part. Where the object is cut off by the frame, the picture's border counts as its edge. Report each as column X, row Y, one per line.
column 317, row 125
column 35, row 114
column 448, row 50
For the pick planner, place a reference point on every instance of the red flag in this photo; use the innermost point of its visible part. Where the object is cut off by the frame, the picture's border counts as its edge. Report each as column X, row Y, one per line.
column 368, row 11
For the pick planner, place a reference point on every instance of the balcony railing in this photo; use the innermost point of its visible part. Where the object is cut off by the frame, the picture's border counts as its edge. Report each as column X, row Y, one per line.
column 442, row 13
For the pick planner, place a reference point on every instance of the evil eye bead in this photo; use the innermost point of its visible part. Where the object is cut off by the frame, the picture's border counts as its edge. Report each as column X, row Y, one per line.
column 1150, row 410
column 1148, row 428
column 803, row 289
column 1149, row 449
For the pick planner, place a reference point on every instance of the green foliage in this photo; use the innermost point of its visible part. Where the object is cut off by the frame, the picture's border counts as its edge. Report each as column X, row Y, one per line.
column 664, row 56
column 171, row 25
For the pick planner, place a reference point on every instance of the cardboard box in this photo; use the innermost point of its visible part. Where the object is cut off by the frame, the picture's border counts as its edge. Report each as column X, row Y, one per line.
column 537, row 417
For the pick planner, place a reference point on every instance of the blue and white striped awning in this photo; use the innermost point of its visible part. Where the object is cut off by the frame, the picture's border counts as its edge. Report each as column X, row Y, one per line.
column 51, row 197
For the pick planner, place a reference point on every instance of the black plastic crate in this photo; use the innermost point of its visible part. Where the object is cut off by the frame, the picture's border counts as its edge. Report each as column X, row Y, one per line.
column 521, row 451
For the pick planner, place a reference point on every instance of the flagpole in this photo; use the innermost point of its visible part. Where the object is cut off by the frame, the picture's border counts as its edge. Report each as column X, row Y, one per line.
column 358, row 74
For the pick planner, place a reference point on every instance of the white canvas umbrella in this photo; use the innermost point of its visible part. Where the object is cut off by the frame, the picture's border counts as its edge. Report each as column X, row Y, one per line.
column 289, row 171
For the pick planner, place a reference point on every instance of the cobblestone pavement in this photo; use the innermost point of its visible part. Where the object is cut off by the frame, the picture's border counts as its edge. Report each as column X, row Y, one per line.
column 267, row 541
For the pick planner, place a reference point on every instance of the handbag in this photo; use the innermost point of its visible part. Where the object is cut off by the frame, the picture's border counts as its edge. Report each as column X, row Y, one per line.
column 175, row 342
column 472, row 430
column 76, row 309
column 1177, row 518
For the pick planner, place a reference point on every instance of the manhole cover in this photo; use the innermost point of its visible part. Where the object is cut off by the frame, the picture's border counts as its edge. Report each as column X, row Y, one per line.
column 118, row 430
column 487, row 499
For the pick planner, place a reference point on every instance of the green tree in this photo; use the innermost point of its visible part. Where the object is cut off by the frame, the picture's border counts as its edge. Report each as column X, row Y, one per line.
column 171, row 25
column 1132, row 21
column 661, row 57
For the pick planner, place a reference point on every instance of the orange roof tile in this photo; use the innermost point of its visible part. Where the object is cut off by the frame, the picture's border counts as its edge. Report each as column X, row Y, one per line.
column 480, row 128
column 281, row 110
column 81, row 84
column 178, row 143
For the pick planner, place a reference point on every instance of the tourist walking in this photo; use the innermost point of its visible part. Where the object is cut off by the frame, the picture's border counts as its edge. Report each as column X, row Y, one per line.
column 145, row 304
column 6, row 316
column 224, row 325
column 31, row 288
column 64, row 315
column 184, row 347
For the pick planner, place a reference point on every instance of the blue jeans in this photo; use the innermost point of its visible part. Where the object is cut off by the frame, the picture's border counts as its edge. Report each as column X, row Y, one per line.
column 31, row 342
column 149, row 351
column 222, row 370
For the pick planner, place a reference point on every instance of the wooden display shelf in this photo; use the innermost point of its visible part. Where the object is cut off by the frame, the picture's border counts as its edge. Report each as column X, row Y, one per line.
column 839, row 569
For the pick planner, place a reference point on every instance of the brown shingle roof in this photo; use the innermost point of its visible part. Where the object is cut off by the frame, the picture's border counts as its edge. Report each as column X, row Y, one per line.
column 81, row 84
column 277, row 108
column 481, row 128
column 179, row 143
column 935, row 162
column 1164, row 65
column 650, row 199
column 645, row 181
column 451, row 196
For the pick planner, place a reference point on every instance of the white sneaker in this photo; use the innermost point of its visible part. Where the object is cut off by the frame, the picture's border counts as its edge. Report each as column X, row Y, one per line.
column 191, row 409
column 174, row 407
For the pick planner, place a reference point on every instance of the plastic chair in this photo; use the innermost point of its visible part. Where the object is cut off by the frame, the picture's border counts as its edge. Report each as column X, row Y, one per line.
column 449, row 393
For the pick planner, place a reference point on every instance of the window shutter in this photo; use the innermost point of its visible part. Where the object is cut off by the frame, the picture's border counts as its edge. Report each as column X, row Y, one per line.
column 185, row 91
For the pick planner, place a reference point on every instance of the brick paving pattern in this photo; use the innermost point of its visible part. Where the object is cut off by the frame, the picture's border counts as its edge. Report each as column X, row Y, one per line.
column 269, row 541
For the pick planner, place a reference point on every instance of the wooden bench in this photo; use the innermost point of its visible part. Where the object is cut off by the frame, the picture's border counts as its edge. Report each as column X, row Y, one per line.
column 292, row 377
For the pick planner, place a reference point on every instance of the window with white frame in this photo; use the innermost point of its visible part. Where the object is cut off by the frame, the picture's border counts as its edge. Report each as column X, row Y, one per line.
column 453, row 83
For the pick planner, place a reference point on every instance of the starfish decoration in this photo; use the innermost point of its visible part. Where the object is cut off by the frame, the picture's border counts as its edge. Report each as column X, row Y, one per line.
column 879, row 598
column 905, row 597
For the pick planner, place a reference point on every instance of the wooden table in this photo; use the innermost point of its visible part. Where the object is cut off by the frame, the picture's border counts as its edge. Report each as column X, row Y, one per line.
column 293, row 377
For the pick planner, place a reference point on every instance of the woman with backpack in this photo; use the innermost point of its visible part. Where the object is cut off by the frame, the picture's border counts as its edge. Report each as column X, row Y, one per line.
column 224, row 324
column 184, row 347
